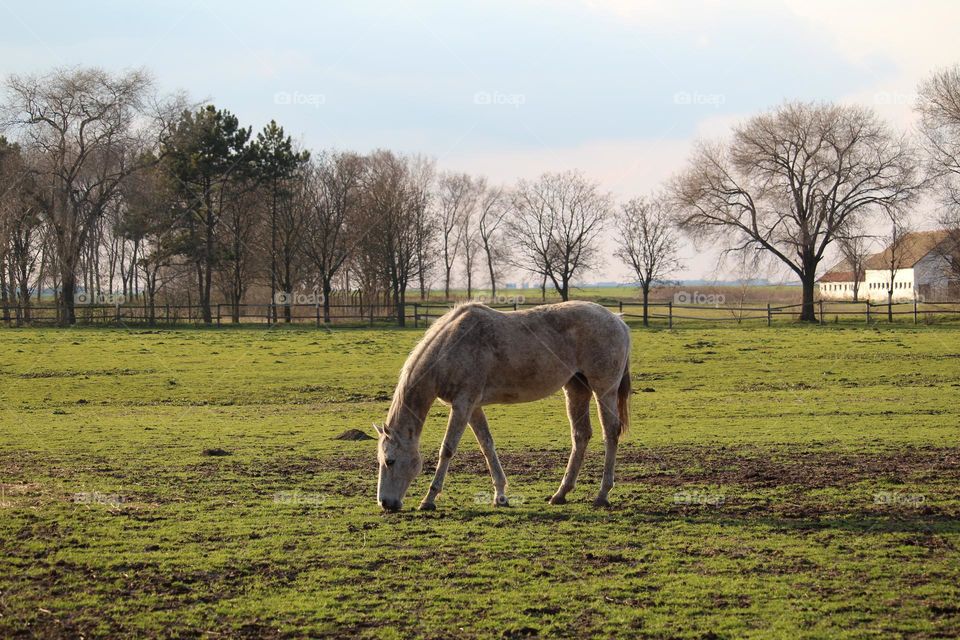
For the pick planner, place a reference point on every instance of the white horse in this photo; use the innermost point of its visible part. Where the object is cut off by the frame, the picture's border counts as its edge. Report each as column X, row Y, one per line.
column 475, row 356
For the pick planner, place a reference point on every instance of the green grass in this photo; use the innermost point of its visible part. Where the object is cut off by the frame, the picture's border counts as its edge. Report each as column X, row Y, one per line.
column 775, row 483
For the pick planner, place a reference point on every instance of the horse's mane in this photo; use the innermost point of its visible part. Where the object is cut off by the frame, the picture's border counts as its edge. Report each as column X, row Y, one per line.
column 418, row 352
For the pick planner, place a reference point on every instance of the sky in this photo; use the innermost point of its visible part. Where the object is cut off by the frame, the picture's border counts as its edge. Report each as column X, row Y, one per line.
column 617, row 89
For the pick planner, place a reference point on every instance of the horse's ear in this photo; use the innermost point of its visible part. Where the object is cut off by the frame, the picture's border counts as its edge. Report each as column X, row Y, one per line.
column 378, row 428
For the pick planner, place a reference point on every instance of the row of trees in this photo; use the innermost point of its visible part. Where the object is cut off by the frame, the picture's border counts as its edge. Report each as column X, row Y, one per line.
column 106, row 188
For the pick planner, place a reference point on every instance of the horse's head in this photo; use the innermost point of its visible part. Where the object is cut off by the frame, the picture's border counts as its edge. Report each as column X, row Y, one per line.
column 399, row 457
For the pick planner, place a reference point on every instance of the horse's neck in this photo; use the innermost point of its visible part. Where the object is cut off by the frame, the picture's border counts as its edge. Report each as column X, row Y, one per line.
column 411, row 403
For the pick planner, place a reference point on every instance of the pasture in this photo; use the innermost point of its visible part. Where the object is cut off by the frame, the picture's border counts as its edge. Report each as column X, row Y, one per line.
column 189, row 483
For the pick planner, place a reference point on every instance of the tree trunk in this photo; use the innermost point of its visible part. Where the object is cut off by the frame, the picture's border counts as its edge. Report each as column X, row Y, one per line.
column 889, row 305
column 808, row 312
column 327, row 289
column 646, row 297
column 68, row 287
column 399, row 299
column 4, row 298
column 151, row 302
column 208, row 272
column 288, row 287
column 493, row 280
column 25, row 299
column 273, row 251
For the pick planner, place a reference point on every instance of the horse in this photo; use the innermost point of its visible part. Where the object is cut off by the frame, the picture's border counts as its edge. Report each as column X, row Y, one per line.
column 474, row 356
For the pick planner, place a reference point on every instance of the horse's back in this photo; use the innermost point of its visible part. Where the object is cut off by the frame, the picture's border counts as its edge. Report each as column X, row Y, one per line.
column 527, row 355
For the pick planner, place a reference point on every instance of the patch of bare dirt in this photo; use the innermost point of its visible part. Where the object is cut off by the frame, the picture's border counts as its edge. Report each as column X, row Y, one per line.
column 752, row 466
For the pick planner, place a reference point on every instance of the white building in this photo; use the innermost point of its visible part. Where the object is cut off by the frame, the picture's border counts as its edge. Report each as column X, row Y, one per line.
column 921, row 272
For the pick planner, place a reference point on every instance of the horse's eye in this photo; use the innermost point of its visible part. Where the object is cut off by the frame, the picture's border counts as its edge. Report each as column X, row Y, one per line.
column 390, row 462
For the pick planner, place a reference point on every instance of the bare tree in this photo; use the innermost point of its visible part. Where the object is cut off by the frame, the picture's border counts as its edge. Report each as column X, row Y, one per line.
column 790, row 179
column 855, row 252
column 333, row 198
column 392, row 202
column 239, row 226
column 82, row 124
column 456, row 196
column 894, row 257
column 151, row 216
column 647, row 242
column 422, row 177
column 470, row 242
column 556, row 221
column 22, row 232
column 492, row 210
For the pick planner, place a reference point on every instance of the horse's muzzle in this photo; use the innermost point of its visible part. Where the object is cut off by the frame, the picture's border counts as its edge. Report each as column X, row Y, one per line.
column 391, row 505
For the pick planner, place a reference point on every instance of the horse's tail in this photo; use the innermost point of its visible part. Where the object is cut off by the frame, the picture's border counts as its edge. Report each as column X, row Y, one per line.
column 623, row 399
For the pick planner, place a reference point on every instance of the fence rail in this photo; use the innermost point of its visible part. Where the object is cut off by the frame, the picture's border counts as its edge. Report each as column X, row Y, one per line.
column 422, row 313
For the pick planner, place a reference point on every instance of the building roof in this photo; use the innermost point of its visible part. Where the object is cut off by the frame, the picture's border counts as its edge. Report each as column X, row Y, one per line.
column 837, row 276
column 913, row 248
column 840, row 272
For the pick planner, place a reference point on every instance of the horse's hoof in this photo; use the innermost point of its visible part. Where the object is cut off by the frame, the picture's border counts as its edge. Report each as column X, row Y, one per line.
column 557, row 500
column 601, row 503
column 427, row 506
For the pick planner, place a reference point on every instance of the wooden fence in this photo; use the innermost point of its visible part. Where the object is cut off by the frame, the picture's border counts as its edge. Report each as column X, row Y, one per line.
column 418, row 314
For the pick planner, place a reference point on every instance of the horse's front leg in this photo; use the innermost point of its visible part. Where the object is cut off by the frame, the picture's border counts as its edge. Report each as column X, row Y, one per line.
column 478, row 422
column 455, row 427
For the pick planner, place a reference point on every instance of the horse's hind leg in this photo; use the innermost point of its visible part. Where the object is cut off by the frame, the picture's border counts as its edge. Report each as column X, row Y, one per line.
column 478, row 422
column 610, row 419
column 451, row 439
column 578, row 410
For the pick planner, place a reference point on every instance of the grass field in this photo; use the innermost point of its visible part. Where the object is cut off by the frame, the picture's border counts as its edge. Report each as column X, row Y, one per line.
column 784, row 482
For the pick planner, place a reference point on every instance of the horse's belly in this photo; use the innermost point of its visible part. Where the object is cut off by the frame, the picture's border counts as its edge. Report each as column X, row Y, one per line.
column 524, row 393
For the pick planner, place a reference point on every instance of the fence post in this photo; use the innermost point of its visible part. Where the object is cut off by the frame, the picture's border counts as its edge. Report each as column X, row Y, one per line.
column 318, row 316
column 218, row 315
column 621, row 306
column 514, row 304
column 670, row 314
column 914, row 311
column 821, row 311
column 416, row 315
column 868, row 312
column 769, row 316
